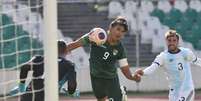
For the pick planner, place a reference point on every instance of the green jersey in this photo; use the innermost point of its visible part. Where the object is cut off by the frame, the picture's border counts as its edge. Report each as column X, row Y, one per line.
column 103, row 58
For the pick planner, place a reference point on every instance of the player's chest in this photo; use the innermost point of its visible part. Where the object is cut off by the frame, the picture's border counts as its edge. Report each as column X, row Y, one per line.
column 176, row 62
column 107, row 52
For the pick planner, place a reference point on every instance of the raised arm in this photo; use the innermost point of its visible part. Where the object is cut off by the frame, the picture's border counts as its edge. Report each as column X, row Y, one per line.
column 73, row 45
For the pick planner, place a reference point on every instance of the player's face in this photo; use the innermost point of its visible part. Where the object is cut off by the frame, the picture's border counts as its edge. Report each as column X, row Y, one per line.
column 172, row 43
column 117, row 32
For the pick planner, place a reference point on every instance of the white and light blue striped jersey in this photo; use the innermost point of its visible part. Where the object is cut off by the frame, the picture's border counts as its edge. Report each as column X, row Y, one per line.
column 177, row 68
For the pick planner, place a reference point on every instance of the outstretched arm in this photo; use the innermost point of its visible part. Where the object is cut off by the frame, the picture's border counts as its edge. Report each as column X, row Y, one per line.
column 127, row 73
column 73, row 45
column 149, row 70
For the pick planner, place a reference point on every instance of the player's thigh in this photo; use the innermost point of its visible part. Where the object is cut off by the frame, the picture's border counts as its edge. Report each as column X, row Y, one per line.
column 114, row 91
column 186, row 95
column 99, row 87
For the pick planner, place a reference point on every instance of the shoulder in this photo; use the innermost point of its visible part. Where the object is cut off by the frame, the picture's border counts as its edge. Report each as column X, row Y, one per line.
column 185, row 50
column 162, row 54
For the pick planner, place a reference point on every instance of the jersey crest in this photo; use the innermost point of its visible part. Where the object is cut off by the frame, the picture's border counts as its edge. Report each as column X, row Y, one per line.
column 171, row 60
column 115, row 52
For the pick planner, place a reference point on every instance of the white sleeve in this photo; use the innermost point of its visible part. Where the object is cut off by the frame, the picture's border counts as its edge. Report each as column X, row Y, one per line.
column 194, row 59
column 156, row 64
column 191, row 56
column 149, row 70
column 197, row 62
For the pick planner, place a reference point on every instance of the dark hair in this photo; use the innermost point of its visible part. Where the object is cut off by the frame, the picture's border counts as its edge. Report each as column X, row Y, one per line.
column 61, row 46
column 171, row 33
column 120, row 21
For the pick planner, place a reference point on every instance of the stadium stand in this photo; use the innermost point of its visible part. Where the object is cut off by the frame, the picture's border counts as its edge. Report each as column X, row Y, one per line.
column 195, row 4
column 89, row 18
column 181, row 5
column 75, row 19
column 115, row 8
column 185, row 19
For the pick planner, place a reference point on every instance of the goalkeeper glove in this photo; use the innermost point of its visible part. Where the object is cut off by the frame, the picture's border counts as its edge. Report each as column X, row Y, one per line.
column 22, row 87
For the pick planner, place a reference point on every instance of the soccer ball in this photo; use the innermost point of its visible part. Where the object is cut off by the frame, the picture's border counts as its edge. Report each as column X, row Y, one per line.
column 98, row 36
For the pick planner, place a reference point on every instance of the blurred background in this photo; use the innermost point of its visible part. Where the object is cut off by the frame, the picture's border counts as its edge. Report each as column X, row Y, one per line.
column 22, row 20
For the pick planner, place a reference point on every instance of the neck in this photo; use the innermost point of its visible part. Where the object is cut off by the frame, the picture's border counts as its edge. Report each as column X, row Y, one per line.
column 111, row 41
column 177, row 50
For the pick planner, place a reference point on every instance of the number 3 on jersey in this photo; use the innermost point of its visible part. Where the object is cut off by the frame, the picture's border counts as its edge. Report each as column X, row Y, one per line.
column 180, row 66
column 106, row 55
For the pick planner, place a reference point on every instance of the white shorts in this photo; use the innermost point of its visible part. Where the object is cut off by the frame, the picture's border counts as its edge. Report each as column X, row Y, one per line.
column 182, row 95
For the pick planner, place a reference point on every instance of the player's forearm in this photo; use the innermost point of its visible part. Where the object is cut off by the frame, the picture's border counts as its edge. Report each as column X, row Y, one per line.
column 127, row 73
column 149, row 70
column 73, row 45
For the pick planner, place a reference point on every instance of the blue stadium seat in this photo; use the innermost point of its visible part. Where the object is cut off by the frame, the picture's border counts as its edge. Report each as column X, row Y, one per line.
column 10, row 61
column 24, row 43
column 191, row 37
column 198, row 45
column 175, row 14
column 171, row 23
column 191, row 14
column 198, row 19
column 186, row 23
column 24, row 57
column 9, row 47
column 8, row 31
column 158, row 13
column 36, row 44
column 196, row 30
column 6, row 20
column 1, row 65
column 180, row 29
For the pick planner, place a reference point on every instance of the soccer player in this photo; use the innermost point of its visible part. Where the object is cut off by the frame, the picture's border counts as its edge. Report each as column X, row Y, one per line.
column 176, row 63
column 35, row 90
column 104, row 77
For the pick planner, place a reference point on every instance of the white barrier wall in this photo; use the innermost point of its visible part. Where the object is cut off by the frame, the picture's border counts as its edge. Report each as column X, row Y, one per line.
column 155, row 82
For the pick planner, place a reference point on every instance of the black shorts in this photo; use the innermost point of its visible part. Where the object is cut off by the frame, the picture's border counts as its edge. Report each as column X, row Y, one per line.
column 106, row 87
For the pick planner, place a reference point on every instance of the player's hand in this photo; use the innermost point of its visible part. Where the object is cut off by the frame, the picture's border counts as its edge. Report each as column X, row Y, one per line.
column 136, row 77
column 22, row 87
column 139, row 72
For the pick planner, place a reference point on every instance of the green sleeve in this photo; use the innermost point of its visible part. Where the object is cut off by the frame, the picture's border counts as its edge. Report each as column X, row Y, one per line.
column 122, row 52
